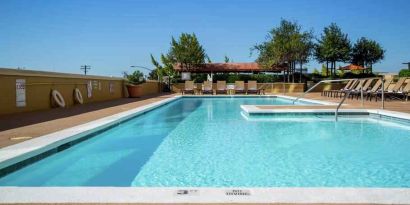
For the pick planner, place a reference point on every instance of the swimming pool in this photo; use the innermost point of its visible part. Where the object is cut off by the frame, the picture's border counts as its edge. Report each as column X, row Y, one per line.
column 207, row 142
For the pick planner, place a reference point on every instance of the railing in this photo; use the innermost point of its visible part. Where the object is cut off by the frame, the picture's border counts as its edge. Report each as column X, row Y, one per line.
column 348, row 92
column 317, row 84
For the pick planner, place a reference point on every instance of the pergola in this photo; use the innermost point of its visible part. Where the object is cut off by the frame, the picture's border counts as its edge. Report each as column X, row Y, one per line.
column 352, row 67
column 229, row 68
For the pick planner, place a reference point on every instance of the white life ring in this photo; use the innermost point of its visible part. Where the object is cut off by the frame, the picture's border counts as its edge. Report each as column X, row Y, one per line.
column 78, row 96
column 58, row 98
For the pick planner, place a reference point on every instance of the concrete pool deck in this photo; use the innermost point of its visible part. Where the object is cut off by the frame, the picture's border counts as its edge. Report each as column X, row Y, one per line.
column 20, row 127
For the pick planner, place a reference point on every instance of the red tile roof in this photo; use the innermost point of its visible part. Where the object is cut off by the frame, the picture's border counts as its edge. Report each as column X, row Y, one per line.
column 352, row 67
column 229, row 67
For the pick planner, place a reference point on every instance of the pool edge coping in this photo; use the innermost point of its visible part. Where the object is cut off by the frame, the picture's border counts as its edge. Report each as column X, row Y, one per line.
column 201, row 195
column 24, row 150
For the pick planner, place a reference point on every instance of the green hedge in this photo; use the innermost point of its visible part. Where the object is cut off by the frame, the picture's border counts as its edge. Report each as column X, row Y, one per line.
column 404, row 73
column 231, row 78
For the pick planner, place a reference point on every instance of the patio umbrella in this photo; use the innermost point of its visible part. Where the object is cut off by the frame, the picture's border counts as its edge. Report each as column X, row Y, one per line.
column 352, row 67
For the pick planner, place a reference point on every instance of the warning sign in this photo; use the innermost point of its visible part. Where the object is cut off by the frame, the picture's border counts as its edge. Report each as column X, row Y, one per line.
column 20, row 92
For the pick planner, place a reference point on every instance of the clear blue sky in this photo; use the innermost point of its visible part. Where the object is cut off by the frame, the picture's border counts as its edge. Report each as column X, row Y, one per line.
column 61, row 35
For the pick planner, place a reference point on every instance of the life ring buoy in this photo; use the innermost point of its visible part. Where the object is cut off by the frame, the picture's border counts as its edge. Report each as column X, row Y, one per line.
column 58, row 98
column 78, row 96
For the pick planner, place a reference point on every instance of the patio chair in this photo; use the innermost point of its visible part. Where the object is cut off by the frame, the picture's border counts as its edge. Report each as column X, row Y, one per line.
column 357, row 93
column 189, row 87
column 358, row 87
column 208, row 88
column 405, row 93
column 239, row 87
column 221, row 87
column 400, row 83
column 374, row 89
column 338, row 93
column 252, row 87
column 330, row 92
column 378, row 92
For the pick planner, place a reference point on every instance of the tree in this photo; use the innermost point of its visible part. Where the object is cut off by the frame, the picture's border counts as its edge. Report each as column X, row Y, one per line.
column 285, row 44
column 332, row 47
column 187, row 52
column 304, row 46
column 165, row 68
column 226, row 59
column 367, row 52
column 315, row 72
column 404, row 73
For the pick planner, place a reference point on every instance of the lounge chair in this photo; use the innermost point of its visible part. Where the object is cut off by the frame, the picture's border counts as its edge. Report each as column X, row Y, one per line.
column 376, row 94
column 338, row 93
column 330, row 92
column 189, row 87
column 208, row 88
column 358, row 87
column 239, row 87
column 221, row 87
column 252, row 87
column 357, row 93
column 405, row 93
column 400, row 83
column 374, row 89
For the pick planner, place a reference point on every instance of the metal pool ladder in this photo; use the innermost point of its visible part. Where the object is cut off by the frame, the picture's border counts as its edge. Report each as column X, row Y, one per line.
column 347, row 93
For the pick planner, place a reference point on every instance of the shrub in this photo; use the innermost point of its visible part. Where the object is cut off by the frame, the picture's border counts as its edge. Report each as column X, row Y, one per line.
column 137, row 77
column 404, row 73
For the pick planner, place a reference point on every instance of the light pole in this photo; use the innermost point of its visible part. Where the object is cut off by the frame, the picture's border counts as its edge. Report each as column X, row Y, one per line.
column 138, row 66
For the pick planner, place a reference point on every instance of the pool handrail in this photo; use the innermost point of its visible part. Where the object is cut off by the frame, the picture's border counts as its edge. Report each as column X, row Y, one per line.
column 313, row 87
column 347, row 92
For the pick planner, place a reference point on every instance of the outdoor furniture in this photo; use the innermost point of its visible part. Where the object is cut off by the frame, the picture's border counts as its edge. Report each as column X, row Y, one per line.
column 355, row 85
column 405, row 93
column 376, row 94
column 396, row 88
column 261, row 90
column 366, row 86
column 335, row 93
column 230, row 89
column 239, row 87
column 207, row 88
column 252, row 87
column 330, row 92
column 189, row 87
column 374, row 89
column 221, row 87
column 357, row 88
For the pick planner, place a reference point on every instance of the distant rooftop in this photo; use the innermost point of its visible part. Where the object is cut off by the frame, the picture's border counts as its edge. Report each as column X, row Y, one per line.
column 229, row 67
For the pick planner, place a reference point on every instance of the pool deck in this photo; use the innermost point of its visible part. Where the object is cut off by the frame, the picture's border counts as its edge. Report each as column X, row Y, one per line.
column 20, row 127
column 392, row 105
column 23, row 126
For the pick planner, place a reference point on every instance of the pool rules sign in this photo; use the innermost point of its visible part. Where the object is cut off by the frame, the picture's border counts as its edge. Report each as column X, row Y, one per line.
column 21, row 92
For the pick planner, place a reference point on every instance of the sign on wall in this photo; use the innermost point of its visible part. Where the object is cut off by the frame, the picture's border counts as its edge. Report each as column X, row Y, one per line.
column 89, row 89
column 20, row 92
column 111, row 87
column 186, row 76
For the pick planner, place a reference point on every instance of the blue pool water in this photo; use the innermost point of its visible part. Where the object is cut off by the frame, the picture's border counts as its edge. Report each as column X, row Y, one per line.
column 207, row 142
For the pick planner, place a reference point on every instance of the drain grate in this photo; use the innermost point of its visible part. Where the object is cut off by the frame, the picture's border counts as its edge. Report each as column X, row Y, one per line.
column 238, row 192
